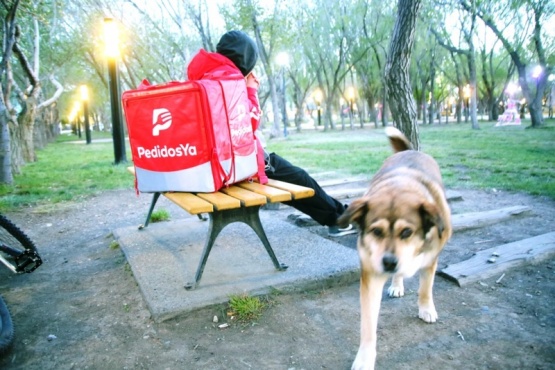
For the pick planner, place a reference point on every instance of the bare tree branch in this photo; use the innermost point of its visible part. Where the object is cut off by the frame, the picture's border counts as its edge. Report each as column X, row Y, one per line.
column 55, row 96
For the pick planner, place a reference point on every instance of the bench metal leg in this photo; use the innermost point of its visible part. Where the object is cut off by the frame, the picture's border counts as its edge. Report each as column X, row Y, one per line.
column 219, row 220
column 155, row 197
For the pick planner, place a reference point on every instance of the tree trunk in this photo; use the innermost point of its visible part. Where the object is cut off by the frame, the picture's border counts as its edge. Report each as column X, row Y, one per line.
column 15, row 146
column 328, row 120
column 6, row 176
column 264, row 58
column 26, row 122
column 399, row 94
column 473, row 88
column 9, row 25
column 298, row 98
column 385, row 106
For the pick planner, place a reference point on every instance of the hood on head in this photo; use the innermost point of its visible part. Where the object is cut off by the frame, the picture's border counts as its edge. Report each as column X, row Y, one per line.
column 238, row 47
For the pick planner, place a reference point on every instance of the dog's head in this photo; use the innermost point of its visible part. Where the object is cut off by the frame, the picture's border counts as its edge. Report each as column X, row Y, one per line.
column 399, row 232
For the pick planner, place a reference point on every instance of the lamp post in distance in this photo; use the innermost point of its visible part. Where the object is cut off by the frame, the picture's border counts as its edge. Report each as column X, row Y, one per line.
column 85, row 100
column 351, row 97
column 75, row 120
column 318, row 99
column 551, row 95
column 111, row 43
column 466, row 94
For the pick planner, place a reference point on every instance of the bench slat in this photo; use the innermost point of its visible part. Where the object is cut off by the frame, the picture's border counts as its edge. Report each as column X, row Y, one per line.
column 220, row 201
column 190, row 202
column 274, row 195
column 247, row 198
column 297, row 191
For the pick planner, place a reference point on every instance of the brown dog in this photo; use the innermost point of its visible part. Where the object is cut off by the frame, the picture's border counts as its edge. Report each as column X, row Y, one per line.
column 404, row 222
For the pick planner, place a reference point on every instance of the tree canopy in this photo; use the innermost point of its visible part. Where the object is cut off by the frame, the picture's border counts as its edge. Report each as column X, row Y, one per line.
column 464, row 54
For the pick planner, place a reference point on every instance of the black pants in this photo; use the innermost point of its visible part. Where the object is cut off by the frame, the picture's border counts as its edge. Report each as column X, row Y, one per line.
column 321, row 207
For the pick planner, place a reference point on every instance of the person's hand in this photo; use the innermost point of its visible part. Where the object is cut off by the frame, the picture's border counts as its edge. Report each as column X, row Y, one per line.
column 252, row 81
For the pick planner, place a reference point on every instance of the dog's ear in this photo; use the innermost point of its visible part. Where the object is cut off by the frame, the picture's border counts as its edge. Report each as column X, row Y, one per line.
column 354, row 213
column 430, row 218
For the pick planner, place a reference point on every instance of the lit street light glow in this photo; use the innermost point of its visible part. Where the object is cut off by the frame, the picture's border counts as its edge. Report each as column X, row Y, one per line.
column 111, row 38
column 84, row 93
column 282, row 59
column 537, row 72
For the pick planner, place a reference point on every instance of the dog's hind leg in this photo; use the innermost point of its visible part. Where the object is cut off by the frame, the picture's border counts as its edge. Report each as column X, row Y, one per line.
column 371, row 289
column 396, row 289
column 426, row 307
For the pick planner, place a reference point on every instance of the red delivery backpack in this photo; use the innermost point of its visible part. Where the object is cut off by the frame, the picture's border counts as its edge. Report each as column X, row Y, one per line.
column 193, row 136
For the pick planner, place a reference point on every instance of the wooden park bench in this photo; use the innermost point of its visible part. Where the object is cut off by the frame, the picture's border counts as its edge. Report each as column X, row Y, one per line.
column 237, row 203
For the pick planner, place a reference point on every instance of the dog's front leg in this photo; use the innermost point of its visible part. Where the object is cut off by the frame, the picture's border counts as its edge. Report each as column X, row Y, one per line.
column 426, row 307
column 371, row 288
column 397, row 288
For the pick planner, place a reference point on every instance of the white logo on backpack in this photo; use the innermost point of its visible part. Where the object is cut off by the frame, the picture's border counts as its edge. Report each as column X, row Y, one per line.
column 161, row 119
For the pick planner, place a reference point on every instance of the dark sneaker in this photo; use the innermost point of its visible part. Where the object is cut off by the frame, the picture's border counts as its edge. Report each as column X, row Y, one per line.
column 335, row 231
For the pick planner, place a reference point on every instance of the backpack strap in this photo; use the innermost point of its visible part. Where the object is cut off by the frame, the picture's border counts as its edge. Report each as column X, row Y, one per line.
column 262, row 178
column 227, row 176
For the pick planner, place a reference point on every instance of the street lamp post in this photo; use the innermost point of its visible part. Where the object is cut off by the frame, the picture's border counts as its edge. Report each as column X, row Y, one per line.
column 85, row 100
column 75, row 117
column 318, row 98
column 551, row 78
column 351, row 97
column 450, row 109
column 466, row 93
column 112, row 53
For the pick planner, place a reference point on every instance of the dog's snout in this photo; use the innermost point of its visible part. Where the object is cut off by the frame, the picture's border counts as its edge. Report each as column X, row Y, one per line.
column 389, row 262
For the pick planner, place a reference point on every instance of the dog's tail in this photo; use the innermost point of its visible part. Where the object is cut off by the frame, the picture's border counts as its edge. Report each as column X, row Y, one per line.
column 398, row 140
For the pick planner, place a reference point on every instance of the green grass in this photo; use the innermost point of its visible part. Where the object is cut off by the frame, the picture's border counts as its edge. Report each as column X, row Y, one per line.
column 160, row 215
column 509, row 158
column 245, row 308
column 66, row 171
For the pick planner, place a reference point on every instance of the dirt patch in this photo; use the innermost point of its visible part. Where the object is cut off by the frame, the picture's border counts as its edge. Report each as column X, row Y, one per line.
column 85, row 299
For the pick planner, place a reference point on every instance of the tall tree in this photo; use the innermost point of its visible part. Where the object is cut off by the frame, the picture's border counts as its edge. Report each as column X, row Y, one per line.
column 497, row 70
column 21, row 85
column 9, row 12
column 399, row 90
column 371, row 50
column 265, row 22
column 529, row 51
column 469, row 54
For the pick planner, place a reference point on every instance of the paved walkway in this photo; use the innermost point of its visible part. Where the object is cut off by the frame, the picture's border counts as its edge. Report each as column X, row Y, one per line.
column 164, row 257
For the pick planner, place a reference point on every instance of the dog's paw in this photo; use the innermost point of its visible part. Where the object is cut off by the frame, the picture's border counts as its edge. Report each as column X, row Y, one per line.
column 396, row 291
column 364, row 361
column 428, row 314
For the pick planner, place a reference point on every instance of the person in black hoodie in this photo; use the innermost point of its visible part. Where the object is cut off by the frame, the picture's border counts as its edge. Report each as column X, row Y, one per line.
column 242, row 51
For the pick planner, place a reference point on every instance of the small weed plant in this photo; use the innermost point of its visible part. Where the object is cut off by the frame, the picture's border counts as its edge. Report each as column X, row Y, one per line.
column 245, row 308
column 160, row 215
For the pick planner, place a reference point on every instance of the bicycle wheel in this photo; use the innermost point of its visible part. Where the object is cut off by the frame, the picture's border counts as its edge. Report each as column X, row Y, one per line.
column 6, row 327
column 17, row 248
